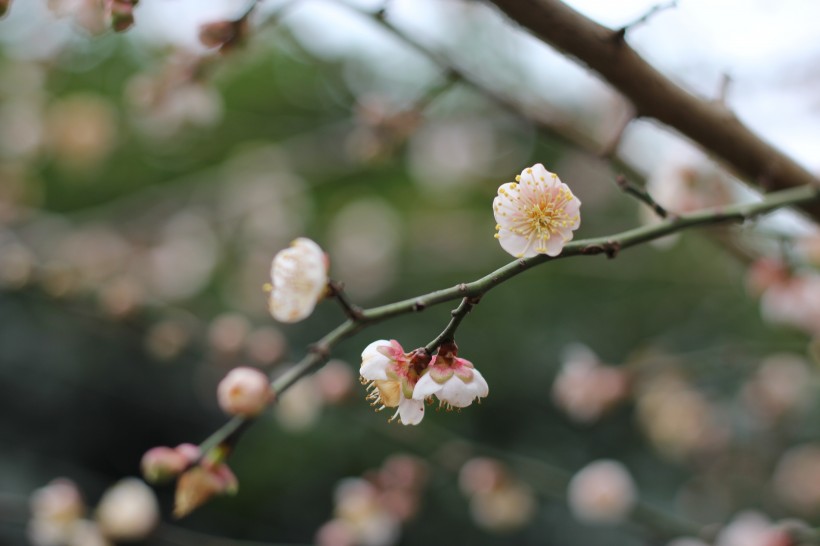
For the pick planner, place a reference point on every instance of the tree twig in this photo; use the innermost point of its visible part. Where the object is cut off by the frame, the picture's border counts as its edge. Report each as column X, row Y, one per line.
column 641, row 195
column 610, row 246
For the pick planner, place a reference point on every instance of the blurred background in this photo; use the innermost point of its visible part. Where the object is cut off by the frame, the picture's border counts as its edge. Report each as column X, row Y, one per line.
column 147, row 180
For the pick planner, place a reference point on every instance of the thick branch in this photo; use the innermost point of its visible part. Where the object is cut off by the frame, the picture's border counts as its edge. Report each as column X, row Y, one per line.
column 708, row 123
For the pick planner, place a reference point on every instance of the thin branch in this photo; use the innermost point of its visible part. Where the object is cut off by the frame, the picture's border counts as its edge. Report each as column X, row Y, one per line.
column 641, row 195
column 643, row 19
column 336, row 290
column 549, row 121
column 611, row 246
column 458, row 314
column 711, row 125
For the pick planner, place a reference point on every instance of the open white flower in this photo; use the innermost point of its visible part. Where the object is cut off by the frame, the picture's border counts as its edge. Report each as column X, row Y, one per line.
column 298, row 280
column 454, row 381
column 536, row 214
column 391, row 377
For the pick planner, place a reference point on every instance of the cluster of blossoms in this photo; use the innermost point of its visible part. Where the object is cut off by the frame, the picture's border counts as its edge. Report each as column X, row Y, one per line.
column 199, row 477
column 750, row 528
column 244, row 392
column 370, row 510
column 498, row 500
column 404, row 381
column 128, row 511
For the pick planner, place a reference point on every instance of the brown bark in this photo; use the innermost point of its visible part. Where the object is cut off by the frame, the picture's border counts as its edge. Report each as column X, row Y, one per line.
column 653, row 95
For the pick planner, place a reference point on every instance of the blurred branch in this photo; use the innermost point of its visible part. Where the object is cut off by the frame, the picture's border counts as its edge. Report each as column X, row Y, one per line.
column 319, row 352
column 547, row 120
column 653, row 95
column 643, row 19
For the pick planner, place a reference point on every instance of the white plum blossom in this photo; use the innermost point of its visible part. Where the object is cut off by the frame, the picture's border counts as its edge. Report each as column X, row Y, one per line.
column 602, row 492
column 454, row 381
column 391, row 377
column 298, row 280
column 536, row 214
column 128, row 511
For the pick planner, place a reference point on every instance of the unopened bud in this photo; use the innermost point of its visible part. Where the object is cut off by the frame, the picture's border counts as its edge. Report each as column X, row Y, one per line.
column 221, row 34
column 199, row 484
column 161, row 464
column 244, row 391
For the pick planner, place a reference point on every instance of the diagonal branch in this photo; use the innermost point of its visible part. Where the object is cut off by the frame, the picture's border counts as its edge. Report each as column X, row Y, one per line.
column 653, row 95
column 231, row 431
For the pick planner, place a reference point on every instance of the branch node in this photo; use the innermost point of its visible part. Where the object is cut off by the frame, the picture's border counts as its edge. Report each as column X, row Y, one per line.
column 321, row 350
column 619, row 34
column 462, row 287
column 336, row 290
column 419, row 305
column 610, row 248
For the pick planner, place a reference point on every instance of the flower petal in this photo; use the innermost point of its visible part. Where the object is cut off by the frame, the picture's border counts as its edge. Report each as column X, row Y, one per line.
column 482, row 389
column 374, row 363
column 411, row 411
column 457, row 393
column 425, row 387
column 517, row 245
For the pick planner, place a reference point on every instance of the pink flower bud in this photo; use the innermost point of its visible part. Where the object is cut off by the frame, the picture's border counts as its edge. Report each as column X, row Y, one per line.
column 161, row 464
column 244, row 391
column 196, row 486
column 191, row 452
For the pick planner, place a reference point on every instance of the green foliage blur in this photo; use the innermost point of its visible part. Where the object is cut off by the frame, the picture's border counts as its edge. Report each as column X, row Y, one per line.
column 137, row 231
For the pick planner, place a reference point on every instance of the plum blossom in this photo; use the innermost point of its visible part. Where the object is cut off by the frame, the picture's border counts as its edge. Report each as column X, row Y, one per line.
column 244, row 391
column 298, row 280
column 454, row 381
column 391, row 377
column 536, row 214
column 128, row 511
column 602, row 492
